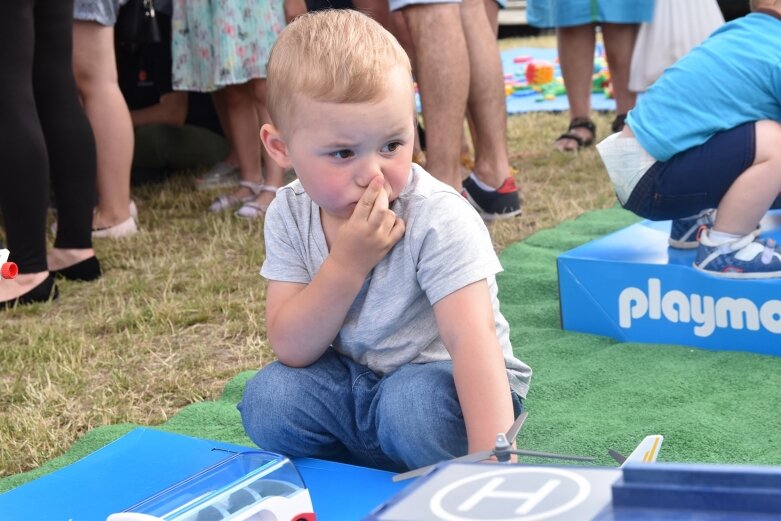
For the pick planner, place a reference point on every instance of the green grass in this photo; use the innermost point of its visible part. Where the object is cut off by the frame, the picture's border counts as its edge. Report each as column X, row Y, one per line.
column 180, row 308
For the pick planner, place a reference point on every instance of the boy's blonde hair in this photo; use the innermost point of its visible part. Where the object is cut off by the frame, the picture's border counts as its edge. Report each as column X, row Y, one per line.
column 338, row 56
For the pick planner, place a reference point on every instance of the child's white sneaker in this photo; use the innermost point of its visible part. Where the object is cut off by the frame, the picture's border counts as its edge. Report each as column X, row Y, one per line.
column 746, row 258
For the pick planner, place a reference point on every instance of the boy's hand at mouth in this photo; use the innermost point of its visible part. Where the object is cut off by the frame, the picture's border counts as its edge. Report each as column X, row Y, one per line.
column 370, row 233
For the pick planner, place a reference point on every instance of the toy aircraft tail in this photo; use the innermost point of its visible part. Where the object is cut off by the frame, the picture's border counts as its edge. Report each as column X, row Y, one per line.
column 647, row 451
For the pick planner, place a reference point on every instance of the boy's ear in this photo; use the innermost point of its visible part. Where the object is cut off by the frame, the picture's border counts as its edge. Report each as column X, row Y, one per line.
column 275, row 145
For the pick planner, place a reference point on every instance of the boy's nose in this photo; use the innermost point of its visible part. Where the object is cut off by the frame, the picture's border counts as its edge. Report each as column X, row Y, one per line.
column 369, row 171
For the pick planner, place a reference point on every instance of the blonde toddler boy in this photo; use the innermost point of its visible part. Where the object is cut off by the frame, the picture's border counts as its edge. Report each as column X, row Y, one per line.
column 382, row 303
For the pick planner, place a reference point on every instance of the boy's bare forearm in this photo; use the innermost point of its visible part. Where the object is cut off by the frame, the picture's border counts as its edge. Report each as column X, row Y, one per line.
column 468, row 328
column 305, row 325
column 483, row 391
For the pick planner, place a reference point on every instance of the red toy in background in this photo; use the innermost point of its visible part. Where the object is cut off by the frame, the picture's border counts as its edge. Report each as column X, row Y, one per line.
column 8, row 270
column 539, row 73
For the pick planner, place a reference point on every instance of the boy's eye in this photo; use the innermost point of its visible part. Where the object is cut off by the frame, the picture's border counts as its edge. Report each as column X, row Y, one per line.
column 342, row 154
column 391, row 147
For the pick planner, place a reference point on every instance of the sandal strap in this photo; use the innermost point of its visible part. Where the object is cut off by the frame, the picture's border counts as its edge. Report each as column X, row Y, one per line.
column 251, row 210
column 575, row 137
column 255, row 188
column 583, row 123
column 256, row 206
column 270, row 188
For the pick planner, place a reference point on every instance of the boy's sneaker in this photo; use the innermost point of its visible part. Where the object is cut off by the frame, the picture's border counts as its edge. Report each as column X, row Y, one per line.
column 746, row 258
column 221, row 175
column 683, row 232
column 501, row 203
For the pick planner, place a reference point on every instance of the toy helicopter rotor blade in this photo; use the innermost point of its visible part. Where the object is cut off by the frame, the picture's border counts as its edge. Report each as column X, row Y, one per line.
column 620, row 458
column 468, row 458
column 551, row 455
column 515, row 428
column 475, row 456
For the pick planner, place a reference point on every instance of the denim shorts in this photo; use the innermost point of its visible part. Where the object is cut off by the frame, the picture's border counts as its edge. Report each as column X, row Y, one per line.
column 694, row 179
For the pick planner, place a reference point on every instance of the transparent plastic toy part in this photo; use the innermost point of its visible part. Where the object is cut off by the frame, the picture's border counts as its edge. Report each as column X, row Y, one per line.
column 247, row 486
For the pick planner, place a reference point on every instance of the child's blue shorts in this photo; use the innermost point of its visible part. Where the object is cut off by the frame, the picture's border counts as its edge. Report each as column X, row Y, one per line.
column 694, row 179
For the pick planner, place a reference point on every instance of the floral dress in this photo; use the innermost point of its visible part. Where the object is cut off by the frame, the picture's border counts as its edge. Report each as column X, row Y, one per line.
column 222, row 42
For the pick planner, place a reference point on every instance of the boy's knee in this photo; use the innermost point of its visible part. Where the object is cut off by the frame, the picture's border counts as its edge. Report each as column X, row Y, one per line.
column 768, row 136
column 402, row 409
column 266, row 396
column 422, row 430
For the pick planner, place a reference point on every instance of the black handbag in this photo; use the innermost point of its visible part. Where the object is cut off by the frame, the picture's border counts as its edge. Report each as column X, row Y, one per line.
column 137, row 23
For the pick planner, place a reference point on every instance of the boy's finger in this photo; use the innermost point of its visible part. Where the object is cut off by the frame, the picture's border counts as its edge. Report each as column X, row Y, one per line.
column 381, row 202
column 397, row 232
column 366, row 202
column 380, row 210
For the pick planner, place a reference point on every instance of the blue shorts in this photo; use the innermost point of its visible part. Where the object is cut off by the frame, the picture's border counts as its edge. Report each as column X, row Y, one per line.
column 694, row 179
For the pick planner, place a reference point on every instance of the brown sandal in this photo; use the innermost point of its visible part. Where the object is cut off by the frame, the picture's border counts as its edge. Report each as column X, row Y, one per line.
column 580, row 123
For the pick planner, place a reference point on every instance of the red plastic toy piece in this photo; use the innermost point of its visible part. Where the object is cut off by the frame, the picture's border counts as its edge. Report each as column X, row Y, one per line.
column 9, row 270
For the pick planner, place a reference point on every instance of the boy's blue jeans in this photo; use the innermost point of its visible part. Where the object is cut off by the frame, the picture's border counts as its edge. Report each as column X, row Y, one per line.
column 339, row 410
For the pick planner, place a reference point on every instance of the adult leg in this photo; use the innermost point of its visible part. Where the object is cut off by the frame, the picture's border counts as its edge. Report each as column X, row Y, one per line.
column 576, row 58
column 619, row 44
column 398, row 27
column 95, row 68
column 25, row 175
column 376, row 9
column 492, row 12
column 69, row 139
column 442, row 74
column 487, row 103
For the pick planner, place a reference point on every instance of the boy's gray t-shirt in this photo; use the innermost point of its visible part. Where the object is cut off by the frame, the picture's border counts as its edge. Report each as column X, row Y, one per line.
column 445, row 247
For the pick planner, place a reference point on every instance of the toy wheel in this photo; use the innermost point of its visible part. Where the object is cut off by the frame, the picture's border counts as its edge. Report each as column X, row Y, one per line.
column 9, row 270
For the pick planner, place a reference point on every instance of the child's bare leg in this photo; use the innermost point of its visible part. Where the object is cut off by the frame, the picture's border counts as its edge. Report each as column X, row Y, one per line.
column 221, row 108
column 273, row 174
column 244, row 127
column 752, row 193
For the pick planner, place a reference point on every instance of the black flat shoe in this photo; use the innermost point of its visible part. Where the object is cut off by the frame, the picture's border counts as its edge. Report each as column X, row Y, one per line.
column 86, row 270
column 43, row 292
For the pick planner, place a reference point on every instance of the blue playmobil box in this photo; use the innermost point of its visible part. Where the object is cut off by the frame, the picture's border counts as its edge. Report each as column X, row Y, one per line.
column 154, row 475
column 631, row 286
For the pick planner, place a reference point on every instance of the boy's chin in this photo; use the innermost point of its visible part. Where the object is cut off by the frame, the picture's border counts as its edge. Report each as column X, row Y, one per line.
column 342, row 214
